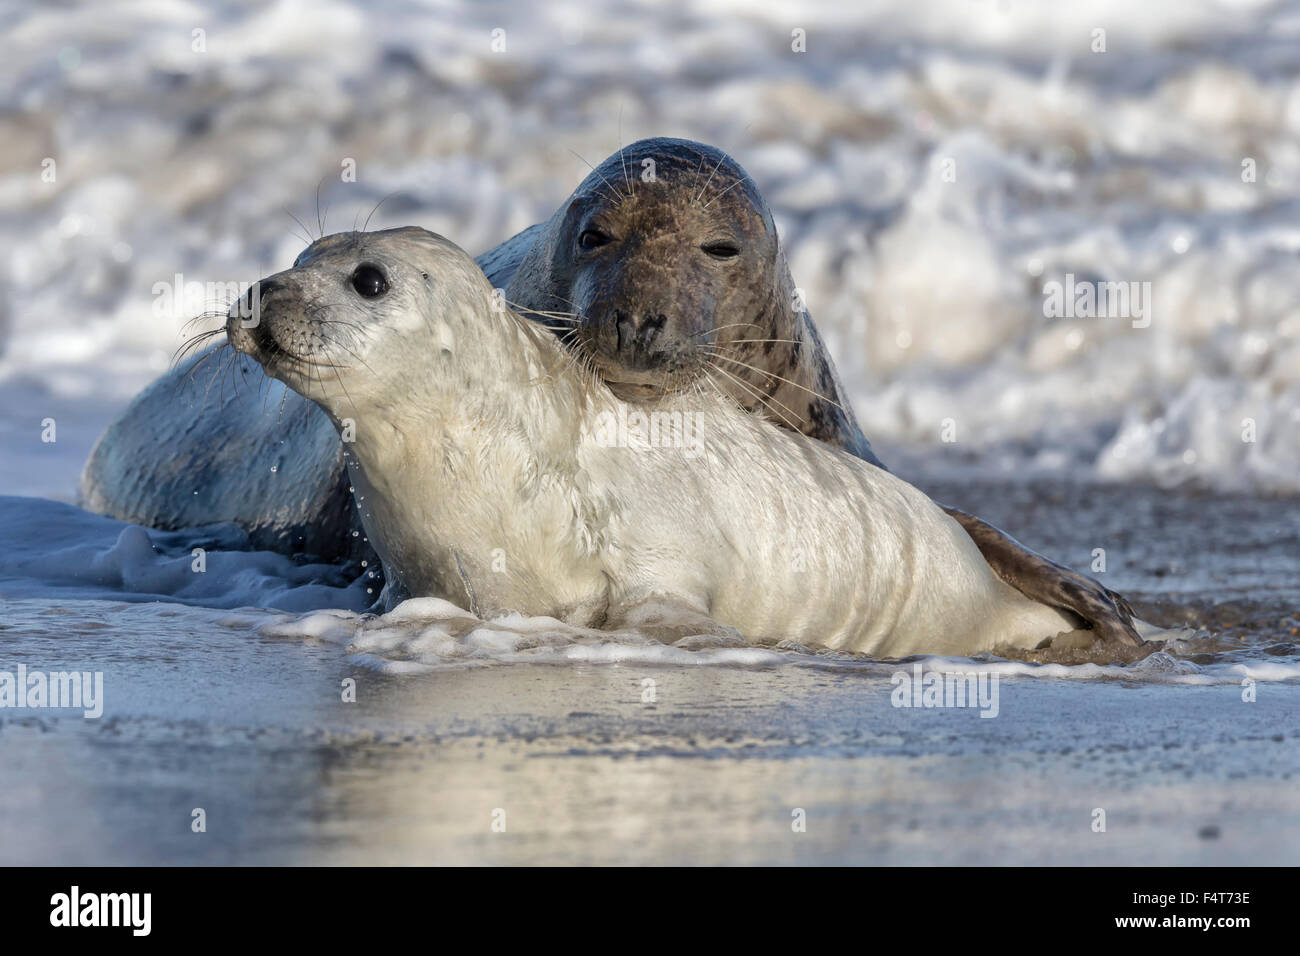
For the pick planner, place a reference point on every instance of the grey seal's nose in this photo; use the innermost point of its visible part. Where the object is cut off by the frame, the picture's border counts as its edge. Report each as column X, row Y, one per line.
column 638, row 339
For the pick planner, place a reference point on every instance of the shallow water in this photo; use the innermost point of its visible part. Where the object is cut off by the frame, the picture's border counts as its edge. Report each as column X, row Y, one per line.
column 254, row 733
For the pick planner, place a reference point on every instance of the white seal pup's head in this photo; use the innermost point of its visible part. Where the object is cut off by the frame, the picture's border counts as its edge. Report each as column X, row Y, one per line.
column 451, row 431
column 366, row 320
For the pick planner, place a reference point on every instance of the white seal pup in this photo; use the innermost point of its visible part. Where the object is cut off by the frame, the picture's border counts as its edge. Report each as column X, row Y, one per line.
column 492, row 470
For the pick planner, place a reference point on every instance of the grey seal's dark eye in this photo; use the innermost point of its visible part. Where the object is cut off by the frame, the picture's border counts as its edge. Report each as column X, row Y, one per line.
column 723, row 249
column 593, row 238
column 369, row 281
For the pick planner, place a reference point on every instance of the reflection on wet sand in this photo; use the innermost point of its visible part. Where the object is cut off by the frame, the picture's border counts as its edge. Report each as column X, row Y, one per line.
column 771, row 766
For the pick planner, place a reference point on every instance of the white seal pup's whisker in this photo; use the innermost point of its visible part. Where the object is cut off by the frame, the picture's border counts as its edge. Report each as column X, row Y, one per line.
column 279, row 412
column 228, row 369
column 191, row 344
column 208, row 315
column 366, row 225
column 189, row 378
column 571, row 318
column 305, row 231
column 320, row 220
column 565, row 300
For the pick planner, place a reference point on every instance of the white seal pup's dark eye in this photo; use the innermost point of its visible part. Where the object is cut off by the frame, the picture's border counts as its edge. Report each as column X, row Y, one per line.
column 369, row 281
column 592, row 238
column 722, row 249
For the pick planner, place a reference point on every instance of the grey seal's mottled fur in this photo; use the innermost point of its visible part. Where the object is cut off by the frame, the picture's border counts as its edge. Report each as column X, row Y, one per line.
column 681, row 277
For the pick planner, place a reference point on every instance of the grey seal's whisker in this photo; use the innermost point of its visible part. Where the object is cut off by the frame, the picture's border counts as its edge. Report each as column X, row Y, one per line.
column 723, row 193
column 619, row 197
column 631, row 189
column 762, row 400
column 705, row 187
column 720, row 328
column 779, row 378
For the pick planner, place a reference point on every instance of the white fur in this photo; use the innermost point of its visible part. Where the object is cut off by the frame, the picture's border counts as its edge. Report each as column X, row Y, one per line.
column 482, row 479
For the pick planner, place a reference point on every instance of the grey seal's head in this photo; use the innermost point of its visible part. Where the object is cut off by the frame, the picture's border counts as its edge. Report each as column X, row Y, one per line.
column 667, row 256
column 364, row 317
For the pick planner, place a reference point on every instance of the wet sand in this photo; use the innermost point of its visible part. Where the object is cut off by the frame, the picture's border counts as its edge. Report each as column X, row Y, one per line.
column 201, row 711
column 418, row 769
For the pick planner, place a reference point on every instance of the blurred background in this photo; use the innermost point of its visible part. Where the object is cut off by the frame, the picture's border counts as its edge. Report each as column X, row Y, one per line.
column 932, row 166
